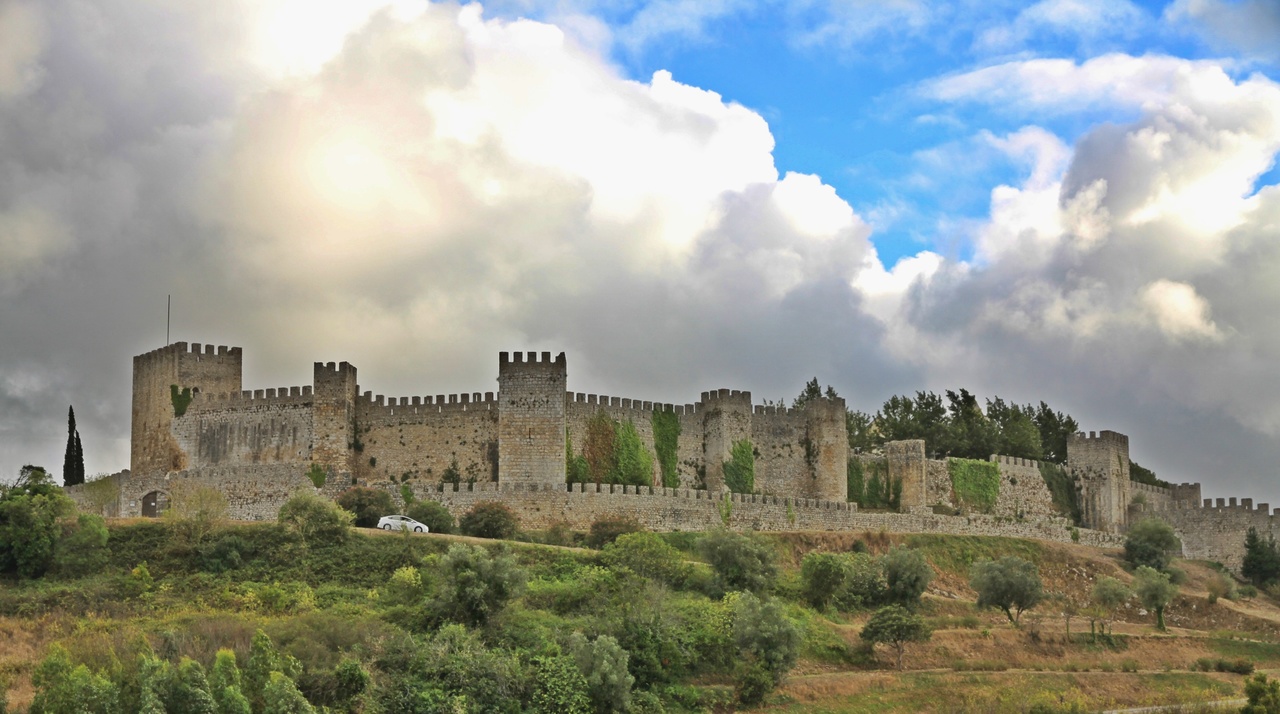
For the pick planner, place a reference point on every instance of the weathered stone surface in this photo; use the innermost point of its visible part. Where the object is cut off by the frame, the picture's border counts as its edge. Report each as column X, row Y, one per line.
column 510, row 446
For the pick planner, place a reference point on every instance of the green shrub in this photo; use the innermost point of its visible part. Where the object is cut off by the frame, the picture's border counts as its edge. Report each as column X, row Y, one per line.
column 315, row 519
column 227, row 553
column 489, row 519
column 740, row 562
column 824, row 576
column 366, row 505
column 476, row 585
column 64, row 688
column 225, row 684
column 647, row 555
column 82, row 548
column 281, row 696
column 1263, row 696
column 906, row 575
column 765, row 639
column 603, row 664
column 558, row 687
column 1151, row 542
column 30, row 515
column 606, row 529
column 433, row 515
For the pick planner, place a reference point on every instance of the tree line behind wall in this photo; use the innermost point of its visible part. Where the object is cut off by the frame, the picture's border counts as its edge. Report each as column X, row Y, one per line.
column 955, row 424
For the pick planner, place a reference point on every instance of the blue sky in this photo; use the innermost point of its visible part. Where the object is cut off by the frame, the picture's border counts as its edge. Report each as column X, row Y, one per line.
column 841, row 86
column 1072, row 201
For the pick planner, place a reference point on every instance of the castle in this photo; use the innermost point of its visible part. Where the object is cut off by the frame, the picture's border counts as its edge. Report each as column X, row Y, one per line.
column 193, row 423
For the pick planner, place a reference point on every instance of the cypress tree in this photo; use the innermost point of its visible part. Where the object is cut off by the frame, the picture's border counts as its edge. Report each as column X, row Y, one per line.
column 73, row 461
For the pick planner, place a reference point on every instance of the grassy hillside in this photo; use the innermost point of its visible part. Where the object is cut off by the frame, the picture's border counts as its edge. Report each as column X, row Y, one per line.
column 388, row 606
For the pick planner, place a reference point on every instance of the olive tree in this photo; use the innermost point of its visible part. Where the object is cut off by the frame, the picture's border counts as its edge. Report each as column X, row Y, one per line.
column 895, row 626
column 1154, row 591
column 1010, row 584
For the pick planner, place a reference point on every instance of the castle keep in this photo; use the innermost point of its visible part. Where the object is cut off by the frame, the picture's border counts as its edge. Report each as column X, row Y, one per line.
column 193, row 423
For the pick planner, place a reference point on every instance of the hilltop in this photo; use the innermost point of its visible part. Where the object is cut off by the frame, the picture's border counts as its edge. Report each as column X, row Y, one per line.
column 373, row 599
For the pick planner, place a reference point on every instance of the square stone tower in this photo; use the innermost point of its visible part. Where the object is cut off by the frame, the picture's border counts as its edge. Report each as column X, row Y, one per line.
column 531, row 419
column 1099, row 463
column 200, row 368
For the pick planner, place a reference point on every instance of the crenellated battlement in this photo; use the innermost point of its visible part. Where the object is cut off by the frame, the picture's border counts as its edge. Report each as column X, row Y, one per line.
column 194, row 348
column 720, row 397
column 515, row 361
column 380, row 405
column 1014, row 461
column 203, row 402
column 578, row 399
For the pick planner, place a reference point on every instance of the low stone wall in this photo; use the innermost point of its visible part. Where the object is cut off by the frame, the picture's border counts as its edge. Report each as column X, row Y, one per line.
column 694, row 510
column 1215, row 532
column 256, row 493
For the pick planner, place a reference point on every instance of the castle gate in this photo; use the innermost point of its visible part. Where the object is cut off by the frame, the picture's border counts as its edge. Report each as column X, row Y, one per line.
column 154, row 504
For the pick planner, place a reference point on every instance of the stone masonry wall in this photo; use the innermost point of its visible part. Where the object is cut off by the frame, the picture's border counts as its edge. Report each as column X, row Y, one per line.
column 263, row 426
column 937, row 483
column 1215, row 530
column 778, row 437
column 204, row 369
column 1022, row 488
column 907, row 462
column 418, row 438
column 531, row 418
column 726, row 420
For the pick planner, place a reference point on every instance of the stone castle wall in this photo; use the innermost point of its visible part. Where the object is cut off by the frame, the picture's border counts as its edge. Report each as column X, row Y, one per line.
column 203, row 369
column 1022, row 487
column 510, row 446
column 419, row 438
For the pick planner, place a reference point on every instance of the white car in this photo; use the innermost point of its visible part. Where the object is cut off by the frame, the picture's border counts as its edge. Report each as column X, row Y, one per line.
column 401, row 523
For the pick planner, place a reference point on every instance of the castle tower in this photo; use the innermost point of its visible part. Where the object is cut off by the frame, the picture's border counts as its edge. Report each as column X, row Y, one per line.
column 726, row 420
column 156, row 376
column 828, row 435
column 531, row 419
column 333, row 419
column 906, row 461
column 1099, row 463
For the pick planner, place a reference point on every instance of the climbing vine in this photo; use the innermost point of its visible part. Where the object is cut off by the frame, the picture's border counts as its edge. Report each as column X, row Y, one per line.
column 317, row 475
column 976, row 484
column 181, row 399
column 855, row 478
column 666, row 437
column 611, row 453
column 740, row 469
column 1062, row 489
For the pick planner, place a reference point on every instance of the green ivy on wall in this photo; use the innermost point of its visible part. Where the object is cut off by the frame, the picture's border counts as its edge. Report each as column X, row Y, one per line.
column 666, row 438
column 740, row 469
column 855, row 479
column 976, row 484
column 611, row 453
column 1062, row 489
column 317, row 475
column 181, row 399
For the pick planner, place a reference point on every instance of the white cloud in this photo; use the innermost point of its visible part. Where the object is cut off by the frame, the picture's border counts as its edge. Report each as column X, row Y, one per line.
column 1085, row 20
column 1178, row 311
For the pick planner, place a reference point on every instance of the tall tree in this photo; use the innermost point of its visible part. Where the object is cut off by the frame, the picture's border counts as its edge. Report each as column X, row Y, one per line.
column 73, row 461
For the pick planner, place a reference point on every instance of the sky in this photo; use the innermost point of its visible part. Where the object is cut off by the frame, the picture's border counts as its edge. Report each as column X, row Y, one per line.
column 1074, row 201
